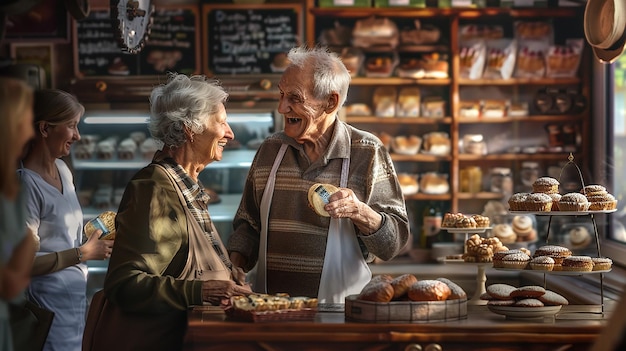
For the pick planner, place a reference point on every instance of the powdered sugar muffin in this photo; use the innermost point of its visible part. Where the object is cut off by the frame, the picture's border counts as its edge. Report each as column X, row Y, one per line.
column 556, row 197
column 577, row 263
column 516, row 261
column 603, row 202
column 546, row 185
column 517, row 201
column 539, row 202
column 573, row 202
column 593, row 190
column 601, row 263
column 542, row 263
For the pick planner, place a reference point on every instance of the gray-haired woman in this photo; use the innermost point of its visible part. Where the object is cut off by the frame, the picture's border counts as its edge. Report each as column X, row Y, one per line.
column 168, row 255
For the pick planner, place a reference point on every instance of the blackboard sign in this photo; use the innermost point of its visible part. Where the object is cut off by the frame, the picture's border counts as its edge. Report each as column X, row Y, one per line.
column 173, row 45
column 250, row 39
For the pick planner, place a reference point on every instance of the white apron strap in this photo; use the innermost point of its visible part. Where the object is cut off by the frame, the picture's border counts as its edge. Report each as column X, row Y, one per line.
column 261, row 268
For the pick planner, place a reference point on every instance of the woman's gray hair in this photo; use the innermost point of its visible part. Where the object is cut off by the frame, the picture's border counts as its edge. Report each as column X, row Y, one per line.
column 184, row 101
column 329, row 73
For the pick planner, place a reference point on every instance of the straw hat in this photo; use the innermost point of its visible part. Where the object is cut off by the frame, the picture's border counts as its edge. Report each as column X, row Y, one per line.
column 605, row 28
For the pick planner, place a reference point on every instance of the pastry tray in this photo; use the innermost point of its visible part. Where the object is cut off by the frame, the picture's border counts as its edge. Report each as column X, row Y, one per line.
column 465, row 230
column 305, row 314
column 562, row 213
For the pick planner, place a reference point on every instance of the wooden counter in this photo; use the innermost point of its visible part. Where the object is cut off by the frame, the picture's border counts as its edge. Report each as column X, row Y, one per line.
column 574, row 328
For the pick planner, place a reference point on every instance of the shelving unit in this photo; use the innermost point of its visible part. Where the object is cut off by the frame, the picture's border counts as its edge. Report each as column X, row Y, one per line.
column 451, row 89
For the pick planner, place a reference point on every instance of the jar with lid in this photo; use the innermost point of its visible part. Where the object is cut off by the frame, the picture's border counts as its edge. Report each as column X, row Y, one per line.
column 529, row 173
column 501, row 180
column 471, row 179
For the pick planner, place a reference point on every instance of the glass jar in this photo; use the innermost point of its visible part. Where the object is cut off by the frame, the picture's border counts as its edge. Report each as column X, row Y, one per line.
column 501, row 180
column 529, row 173
column 471, row 180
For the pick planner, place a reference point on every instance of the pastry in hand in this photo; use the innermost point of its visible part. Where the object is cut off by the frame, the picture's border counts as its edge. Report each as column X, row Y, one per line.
column 105, row 222
column 318, row 197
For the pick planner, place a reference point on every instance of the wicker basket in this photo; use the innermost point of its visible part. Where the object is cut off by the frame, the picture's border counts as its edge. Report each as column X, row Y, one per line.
column 405, row 311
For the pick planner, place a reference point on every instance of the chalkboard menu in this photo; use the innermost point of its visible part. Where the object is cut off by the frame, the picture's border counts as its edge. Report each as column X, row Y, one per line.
column 173, row 45
column 250, row 39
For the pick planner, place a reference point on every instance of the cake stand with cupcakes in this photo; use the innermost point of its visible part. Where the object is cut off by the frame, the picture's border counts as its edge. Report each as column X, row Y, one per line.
column 474, row 253
column 545, row 200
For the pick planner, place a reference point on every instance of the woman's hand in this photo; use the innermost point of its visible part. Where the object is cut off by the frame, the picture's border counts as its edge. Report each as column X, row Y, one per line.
column 217, row 291
column 96, row 249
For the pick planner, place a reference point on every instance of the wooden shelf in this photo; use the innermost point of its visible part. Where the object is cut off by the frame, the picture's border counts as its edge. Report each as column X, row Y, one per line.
column 398, row 120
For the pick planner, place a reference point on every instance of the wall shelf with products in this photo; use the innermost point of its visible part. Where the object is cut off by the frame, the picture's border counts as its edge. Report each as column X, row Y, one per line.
column 518, row 138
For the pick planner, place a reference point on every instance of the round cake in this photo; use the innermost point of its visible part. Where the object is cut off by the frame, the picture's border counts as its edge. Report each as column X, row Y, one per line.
column 577, row 263
column 579, row 236
column 573, row 202
column 516, row 261
column 546, row 185
column 523, row 227
column 539, row 202
column 558, row 253
column 542, row 263
column 601, row 263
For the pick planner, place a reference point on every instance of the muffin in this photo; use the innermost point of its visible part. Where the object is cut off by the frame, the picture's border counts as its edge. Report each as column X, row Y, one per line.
column 558, row 253
column 505, row 233
column 516, row 201
column 498, row 256
column 573, row 202
column 603, row 202
column 542, row 263
column 546, row 185
column 593, row 190
column 556, row 197
column 518, row 260
column 577, row 264
column 601, row 263
column 539, row 202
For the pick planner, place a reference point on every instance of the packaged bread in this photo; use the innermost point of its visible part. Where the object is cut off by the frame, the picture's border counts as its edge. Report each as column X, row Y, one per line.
column 105, row 221
column 408, row 104
column 318, row 197
column 384, row 101
column 500, row 59
column 472, row 59
column 420, row 34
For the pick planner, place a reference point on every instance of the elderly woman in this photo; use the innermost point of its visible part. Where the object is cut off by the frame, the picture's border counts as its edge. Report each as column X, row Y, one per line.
column 59, row 274
column 168, row 255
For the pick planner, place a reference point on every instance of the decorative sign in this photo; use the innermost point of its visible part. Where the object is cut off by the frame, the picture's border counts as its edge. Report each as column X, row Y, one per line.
column 249, row 39
column 173, row 45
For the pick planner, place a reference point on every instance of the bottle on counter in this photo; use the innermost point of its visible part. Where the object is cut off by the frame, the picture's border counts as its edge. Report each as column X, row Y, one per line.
column 431, row 225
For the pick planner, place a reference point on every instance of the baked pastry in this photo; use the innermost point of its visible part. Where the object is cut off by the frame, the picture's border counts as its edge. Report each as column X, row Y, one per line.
column 579, row 236
column 601, row 263
column 498, row 302
column 523, row 228
column 593, row 190
column 481, row 221
column 528, row 291
column 449, row 219
column 456, row 292
column 105, row 221
column 498, row 256
column 381, row 278
column 550, row 298
column 408, row 183
column 401, row 285
column 516, row 261
column 105, row 149
column 542, row 263
column 434, row 183
column 556, row 197
column 517, row 201
column 126, row 149
column 528, row 303
column 466, row 222
column 573, row 202
column 540, row 202
column 406, row 145
column 602, row 202
column 318, row 197
column 429, row 290
column 377, row 292
column 500, row 291
column 577, row 263
column 546, row 185
column 555, row 251
column 505, row 233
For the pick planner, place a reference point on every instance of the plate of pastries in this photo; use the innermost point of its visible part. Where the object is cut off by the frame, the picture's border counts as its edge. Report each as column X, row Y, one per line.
column 530, row 301
column 545, row 197
column 271, row 307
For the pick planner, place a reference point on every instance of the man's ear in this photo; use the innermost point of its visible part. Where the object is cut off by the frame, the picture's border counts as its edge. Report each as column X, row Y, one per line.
column 333, row 102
